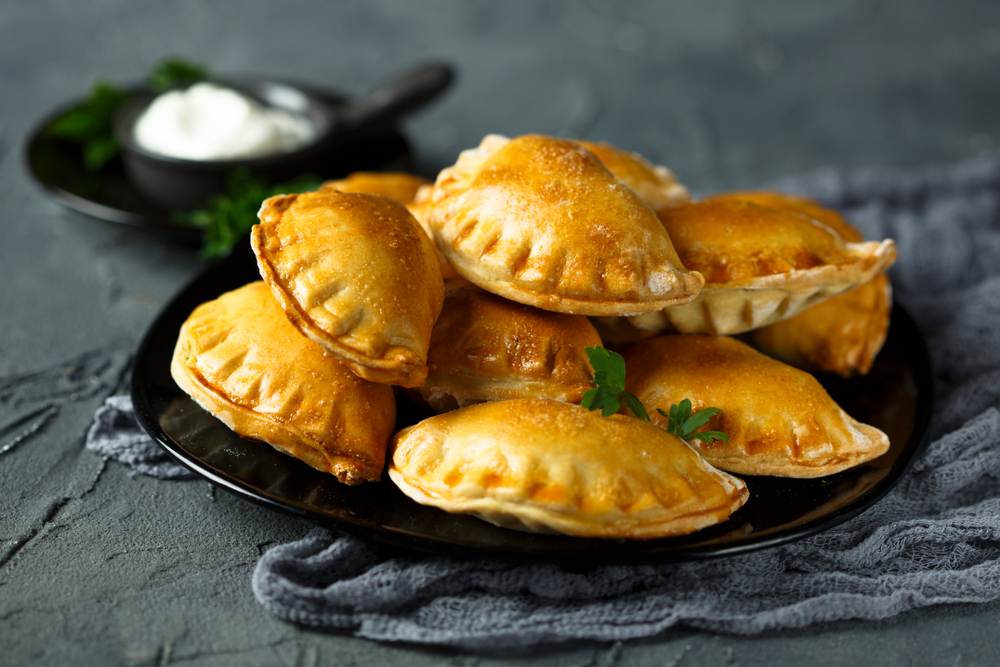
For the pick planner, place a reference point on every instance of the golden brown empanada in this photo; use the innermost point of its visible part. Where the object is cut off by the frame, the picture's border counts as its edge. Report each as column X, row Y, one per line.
column 655, row 185
column 396, row 185
column 842, row 334
column 542, row 222
column 761, row 265
column 486, row 348
column 780, row 421
column 240, row 358
column 355, row 273
column 548, row 466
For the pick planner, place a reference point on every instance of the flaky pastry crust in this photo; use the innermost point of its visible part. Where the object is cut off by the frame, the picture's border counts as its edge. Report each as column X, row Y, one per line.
column 549, row 466
column 543, row 222
column 355, row 273
column 779, row 419
column 240, row 358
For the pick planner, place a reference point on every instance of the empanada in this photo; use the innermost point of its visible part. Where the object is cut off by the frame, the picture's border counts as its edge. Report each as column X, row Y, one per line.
column 761, row 265
column 842, row 334
column 548, row 466
column 542, row 222
column 486, row 348
column 780, row 421
column 655, row 185
column 355, row 273
column 240, row 358
column 396, row 185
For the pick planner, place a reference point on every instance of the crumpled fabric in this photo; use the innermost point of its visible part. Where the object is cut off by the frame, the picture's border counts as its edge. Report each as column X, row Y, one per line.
column 933, row 539
column 116, row 434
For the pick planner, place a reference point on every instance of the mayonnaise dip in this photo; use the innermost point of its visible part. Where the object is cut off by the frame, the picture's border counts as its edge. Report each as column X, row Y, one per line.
column 211, row 122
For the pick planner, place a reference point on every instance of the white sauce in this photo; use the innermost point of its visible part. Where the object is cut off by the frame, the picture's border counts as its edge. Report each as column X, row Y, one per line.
column 211, row 122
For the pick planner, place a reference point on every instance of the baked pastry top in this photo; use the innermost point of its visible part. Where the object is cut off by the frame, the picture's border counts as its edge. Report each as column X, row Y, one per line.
column 240, row 358
column 656, row 185
column 761, row 265
column 803, row 205
column 543, row 222
column 486, row 348
column 396, row 185
column 355, row 273
column 780, row 420
column 842, row 334
column 549, row 466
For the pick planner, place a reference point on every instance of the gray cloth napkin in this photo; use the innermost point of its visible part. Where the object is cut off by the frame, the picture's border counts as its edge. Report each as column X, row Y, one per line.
column 116, row 434
column 935, row 538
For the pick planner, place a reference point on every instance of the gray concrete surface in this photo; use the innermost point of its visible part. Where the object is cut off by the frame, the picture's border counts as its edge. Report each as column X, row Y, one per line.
column 98, row 567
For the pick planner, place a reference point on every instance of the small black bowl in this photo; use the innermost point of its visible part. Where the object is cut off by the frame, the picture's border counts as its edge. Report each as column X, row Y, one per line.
column 178, row 183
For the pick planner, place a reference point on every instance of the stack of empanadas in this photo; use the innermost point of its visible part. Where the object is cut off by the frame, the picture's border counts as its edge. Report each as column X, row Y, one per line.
column 482, row 295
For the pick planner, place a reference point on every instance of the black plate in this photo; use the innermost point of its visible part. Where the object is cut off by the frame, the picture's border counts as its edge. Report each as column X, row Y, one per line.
column 895, row 396
column 57, row 166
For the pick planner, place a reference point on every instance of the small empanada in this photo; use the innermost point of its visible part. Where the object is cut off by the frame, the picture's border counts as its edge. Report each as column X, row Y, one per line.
column 842, row 334
column 780, row 420
column 396, row 185
column 542, row 222
column 549, row 466
column 655, row 185
column 241, row 359
column 355, row 273
column 761, row 265
column 486, row 348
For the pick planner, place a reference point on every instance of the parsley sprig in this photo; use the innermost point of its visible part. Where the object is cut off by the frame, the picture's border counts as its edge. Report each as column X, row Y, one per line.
column 229, row 216
column 609, row 391
column 90, row 123
column 682, row 423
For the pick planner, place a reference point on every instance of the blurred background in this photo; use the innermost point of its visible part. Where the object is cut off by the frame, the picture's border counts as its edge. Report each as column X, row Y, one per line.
column 726, row 93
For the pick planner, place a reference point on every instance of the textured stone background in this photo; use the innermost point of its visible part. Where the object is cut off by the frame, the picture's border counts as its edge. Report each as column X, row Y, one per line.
column 101, row 568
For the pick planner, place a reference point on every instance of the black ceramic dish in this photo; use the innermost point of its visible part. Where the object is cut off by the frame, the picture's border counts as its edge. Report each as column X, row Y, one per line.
column 111, row 195
column 895, row 396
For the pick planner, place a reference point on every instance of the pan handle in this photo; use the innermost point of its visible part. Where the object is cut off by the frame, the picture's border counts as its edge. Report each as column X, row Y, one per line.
column 397, row 97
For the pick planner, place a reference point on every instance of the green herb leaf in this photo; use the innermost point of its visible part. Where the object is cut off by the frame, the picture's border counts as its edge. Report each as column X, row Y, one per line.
column 609, row 385
column 90, row 125
column 98, row 151
column 174, row 72
column 683, row 424
column 228, row 217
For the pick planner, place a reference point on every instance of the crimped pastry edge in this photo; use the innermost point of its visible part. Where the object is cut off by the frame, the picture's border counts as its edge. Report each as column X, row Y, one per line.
column 724, row 310
column 405, row 370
